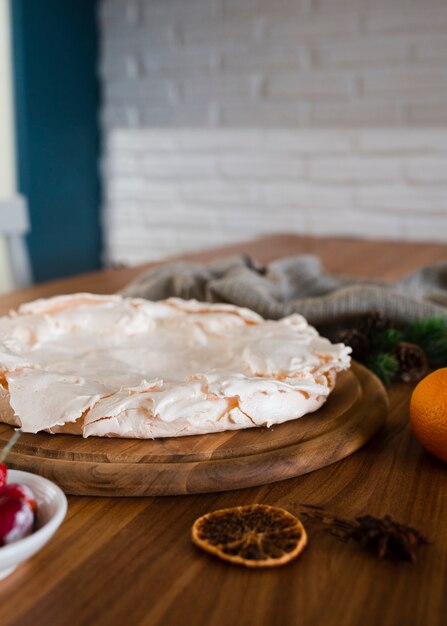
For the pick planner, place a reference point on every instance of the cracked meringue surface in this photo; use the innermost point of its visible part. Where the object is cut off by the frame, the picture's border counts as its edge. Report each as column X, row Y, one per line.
column 124, row 367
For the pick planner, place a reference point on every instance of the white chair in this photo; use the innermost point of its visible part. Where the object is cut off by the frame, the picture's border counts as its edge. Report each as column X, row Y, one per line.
column 14, row 224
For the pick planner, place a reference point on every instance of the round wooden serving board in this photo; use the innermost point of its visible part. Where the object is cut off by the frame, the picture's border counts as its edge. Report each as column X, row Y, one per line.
column 355, row 410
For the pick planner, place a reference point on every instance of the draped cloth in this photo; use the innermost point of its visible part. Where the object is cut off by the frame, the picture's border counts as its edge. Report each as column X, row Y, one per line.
column 297, row 284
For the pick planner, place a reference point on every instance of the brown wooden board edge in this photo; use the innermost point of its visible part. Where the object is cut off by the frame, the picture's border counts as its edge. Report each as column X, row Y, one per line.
column 103, row 479
column 39, row 451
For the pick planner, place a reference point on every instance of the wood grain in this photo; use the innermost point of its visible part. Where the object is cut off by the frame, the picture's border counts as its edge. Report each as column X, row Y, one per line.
column 130, row 560
column 96, row 466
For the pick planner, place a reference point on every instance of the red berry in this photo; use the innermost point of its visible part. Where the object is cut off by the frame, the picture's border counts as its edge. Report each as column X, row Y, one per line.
column 3, row 474
column 19, row 492
column 16, row 520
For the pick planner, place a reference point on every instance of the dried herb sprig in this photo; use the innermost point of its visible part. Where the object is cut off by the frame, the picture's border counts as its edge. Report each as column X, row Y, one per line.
column 383, row 536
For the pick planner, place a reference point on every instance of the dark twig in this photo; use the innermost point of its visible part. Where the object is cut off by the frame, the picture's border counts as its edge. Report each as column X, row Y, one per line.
column 383, row 536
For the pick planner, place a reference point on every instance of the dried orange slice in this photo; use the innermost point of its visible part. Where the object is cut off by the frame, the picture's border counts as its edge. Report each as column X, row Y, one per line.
column 257, row 535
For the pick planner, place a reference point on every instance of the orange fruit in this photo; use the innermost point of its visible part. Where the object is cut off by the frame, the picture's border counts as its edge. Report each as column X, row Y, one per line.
column 428, row 413
column 257, row 535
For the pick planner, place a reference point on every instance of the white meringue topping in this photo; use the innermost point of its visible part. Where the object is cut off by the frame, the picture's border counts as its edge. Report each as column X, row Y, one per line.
column 127, row 367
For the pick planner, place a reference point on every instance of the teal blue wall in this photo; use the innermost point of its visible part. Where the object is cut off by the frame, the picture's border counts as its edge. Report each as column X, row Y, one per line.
column 55, row 46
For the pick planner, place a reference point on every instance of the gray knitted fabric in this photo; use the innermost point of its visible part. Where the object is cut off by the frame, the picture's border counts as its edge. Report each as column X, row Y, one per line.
column 297, row 285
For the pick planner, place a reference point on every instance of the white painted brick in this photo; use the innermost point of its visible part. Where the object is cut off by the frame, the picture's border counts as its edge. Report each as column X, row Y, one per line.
column 218, row 46
column 141, row 92
column 252, row 167
column 288, row 115
column 301, row 195
column 115, row 116
column 403, row 140
column 198, row 88
column 126, row 141
column 124, row 116
column 323, row 6
column 348, row 222
column 306, row 28
column 113, row 12
column 431, row 48
column 401, row 198
column 255, row 114
column 251, row 221
column 176, row 115
column 133, row 12
column 308, row 141
column 428, row 113
column 414, row 19
column 426, row 170
column 254, row 8
column 353, row 170
column 165, row 166
column 237, row 7
column 160, row 11
column 119, row 164
column 115, row 67
column 309, row 84
column 412, row 80
column 162, row 213
column 219, row 32
column 360, row 53
column 289, row 57
column 172, row 63
column 138, row 188
column 329, row 7
column 163, row 226
column 125, row 38
column 215, row 193
column 215, row 141
column 425, row 228
column 355, row 113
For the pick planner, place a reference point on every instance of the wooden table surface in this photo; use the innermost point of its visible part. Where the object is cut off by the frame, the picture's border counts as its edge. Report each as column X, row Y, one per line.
column 130, row 561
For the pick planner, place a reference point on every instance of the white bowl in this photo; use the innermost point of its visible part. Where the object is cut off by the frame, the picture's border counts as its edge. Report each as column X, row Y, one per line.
column 51, row 510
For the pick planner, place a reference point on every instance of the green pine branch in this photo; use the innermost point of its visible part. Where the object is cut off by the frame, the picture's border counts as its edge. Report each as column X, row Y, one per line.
column 384, row 365
column 386, row 340
column 431, row 335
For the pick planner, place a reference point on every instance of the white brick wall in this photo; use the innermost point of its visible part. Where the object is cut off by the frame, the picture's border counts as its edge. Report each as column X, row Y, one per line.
column 225, row 119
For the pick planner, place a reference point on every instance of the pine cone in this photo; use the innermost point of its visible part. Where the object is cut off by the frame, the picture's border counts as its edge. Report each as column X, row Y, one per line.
column 373, row 323
column 356, row 340
column 412, row 360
